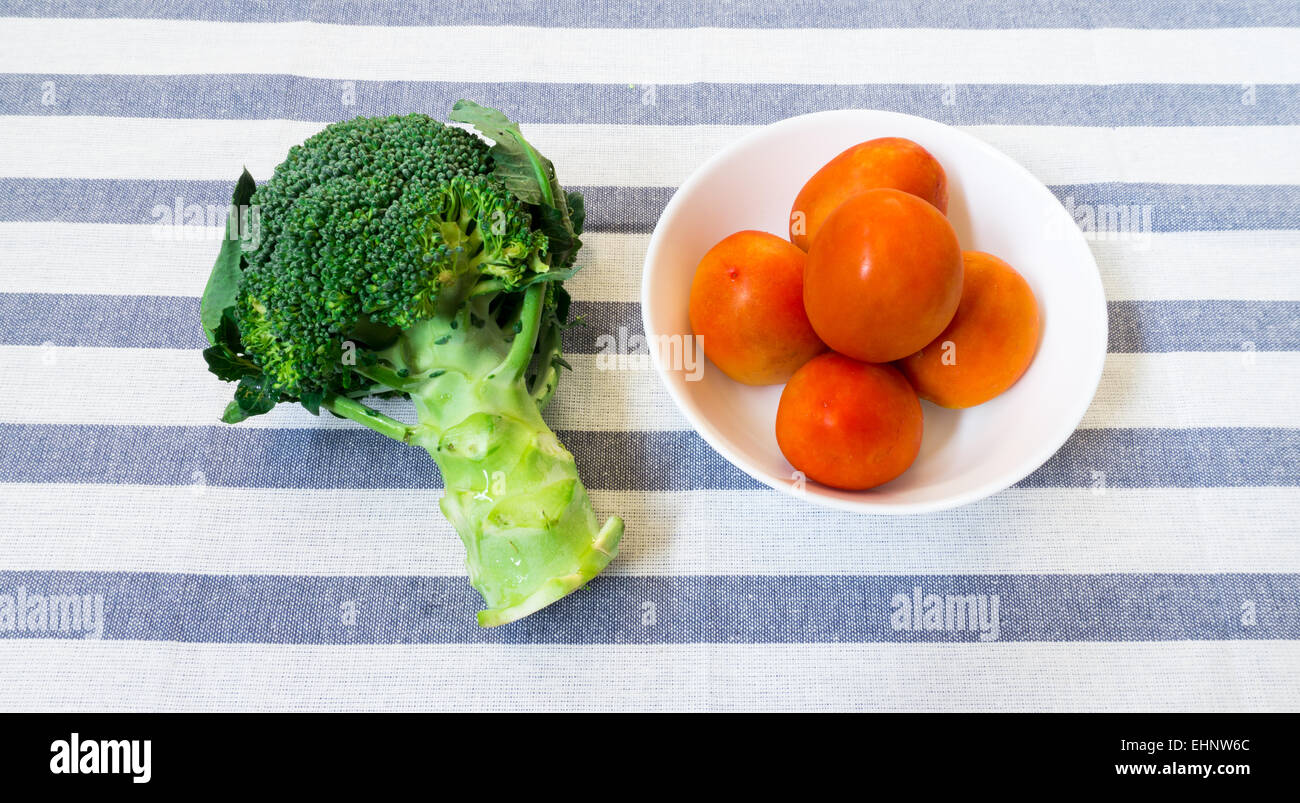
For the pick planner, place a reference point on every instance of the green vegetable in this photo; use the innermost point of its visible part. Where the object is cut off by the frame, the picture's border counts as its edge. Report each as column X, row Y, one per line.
column 223, row 284
column 399, row 256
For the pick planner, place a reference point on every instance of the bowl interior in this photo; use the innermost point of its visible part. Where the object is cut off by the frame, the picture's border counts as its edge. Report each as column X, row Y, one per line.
column 995, row 205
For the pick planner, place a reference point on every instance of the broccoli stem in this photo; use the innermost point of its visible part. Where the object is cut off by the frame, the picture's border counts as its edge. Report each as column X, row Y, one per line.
column 512, row 490
column 384, row 376
column 363, row 414
column 521, row 348
column 543, row 387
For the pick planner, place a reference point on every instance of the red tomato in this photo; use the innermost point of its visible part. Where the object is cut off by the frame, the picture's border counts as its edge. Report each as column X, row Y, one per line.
column 849, row 424
column 891, row 162
column 747, row 305
column 989, row 343
column 883, row 276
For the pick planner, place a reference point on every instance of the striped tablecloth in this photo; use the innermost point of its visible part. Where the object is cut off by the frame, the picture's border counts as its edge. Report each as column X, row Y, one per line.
column 301, row 563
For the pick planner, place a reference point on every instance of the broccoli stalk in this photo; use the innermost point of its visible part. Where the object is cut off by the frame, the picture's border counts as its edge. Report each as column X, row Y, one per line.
column 512, row 490
column 397, row 256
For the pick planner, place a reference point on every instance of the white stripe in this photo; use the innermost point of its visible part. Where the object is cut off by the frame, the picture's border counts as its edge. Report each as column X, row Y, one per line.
column 1238, row 265
column 632, row 155
column 108, row 259
column 171, row 387
column 197, row 529
column 152, row 260
column 63, row 675
column 612, row 265
column 1172, row 155
column 1037, row 56
column 1197, row 389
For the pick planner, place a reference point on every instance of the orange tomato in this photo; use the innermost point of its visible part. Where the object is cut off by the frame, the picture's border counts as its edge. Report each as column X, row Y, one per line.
column 883, row 276
column 988, row 344
column 891, row 162
column 747, row 305
column 849, row 424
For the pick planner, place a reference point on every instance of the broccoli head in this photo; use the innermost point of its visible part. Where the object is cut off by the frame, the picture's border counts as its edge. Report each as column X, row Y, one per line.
column 399, row 256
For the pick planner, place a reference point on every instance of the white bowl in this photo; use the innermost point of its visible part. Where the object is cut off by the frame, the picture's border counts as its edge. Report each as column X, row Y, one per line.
column 995, row 205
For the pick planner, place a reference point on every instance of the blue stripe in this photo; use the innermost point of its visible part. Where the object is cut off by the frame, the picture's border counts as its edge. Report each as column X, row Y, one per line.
column 291, row 97
column 1162, row 326
column 136, row 201
column 1173, row 207
column 688, row 13
column 100, row 321
column 247, row 457
column 279, row 609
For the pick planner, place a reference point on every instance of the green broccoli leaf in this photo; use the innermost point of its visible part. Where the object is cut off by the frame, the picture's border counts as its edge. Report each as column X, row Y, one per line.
column 312, row 400
column 223, row 284
column 525, row 172
column 253, row 396
column 562, row 303
column 577, row 210
column 227, row 333
column 224, row 356
column 530, row 177
column 227, row 365
column 233, row 414
column 562, row 242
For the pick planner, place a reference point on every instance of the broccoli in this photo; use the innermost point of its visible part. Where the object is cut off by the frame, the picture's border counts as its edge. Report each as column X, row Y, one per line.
column 399, row 256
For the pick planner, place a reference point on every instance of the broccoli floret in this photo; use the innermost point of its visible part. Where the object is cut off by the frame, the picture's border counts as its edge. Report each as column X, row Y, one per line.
column 400, row 256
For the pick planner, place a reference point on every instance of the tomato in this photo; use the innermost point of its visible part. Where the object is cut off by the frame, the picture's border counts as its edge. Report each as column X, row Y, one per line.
column 747, row 306
column 849, row 424
column 988, row 344
column 883, row 276
column 891, row 162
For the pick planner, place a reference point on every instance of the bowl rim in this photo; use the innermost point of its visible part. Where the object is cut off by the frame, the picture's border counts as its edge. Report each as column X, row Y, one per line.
column 705, row 429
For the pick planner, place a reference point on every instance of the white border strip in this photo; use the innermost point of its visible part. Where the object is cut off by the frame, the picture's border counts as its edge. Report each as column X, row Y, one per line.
column 1119, row 676
column 889, row 55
